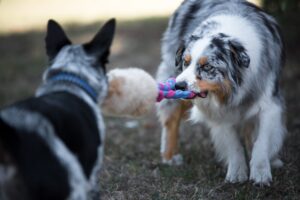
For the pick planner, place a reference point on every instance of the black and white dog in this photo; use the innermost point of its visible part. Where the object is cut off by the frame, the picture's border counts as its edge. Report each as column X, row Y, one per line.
column 231, row 53
column 52, row 144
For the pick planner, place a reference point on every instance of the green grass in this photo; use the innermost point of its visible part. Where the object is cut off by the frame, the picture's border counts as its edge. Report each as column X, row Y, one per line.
column 132, row 168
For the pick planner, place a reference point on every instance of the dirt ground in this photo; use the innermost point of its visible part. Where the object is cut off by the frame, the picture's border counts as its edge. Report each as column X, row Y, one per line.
column 132, row 168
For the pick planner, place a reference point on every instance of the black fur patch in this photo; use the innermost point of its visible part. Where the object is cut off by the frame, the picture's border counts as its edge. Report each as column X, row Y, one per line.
column 240, row 60
column 276, row 87
column 176, row 14
column 174, row 19
column 194, row 38
column 189, row 16
column 74, row 122
column 220, row 44
column 220, row 56
column 42, row 173
column 272, row 27
column 179, row 54
column 222, row 35
column 238, row 54
column 55, row 39
column 231, row 51
column 99, row 46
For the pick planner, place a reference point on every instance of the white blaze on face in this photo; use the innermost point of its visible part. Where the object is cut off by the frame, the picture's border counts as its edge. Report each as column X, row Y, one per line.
column 189, row 74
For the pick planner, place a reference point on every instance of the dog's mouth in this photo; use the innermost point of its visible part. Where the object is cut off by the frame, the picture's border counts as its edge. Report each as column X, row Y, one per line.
column 202, row 94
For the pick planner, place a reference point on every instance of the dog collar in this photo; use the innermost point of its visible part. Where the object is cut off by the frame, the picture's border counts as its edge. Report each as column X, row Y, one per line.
column 76, row 80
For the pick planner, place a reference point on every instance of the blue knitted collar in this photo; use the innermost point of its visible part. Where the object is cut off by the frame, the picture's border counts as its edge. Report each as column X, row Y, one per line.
column 76, row 80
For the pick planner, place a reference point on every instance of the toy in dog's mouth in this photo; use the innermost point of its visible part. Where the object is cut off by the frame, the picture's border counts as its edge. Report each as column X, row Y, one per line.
column 193, row 88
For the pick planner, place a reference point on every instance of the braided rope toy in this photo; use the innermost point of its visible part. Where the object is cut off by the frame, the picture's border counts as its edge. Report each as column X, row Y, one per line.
column 167, row 90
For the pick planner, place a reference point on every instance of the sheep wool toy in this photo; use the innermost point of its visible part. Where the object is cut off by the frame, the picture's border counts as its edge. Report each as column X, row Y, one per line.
column 133, row 92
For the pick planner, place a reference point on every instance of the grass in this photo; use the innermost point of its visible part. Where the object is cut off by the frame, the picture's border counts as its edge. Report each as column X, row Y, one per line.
column 132, row 168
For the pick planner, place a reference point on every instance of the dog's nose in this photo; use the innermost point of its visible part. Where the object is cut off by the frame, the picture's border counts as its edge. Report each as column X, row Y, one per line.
column 182, row 85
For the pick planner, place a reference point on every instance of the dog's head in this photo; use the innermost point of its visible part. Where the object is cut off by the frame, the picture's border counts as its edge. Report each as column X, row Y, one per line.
column 84, row 60
column 213, row 65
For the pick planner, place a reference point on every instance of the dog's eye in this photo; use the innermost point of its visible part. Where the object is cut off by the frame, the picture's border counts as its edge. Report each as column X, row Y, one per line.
column 207, row 67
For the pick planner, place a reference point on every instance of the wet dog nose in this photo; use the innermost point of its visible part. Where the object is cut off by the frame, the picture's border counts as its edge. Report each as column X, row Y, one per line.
column 182, row 85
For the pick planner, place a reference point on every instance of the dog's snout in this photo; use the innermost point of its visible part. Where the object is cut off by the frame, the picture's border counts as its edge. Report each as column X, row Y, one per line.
column 182, row 85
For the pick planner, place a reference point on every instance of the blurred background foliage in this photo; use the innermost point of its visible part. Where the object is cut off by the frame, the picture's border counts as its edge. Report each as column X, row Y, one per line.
column 281, row 7
column 287, row 12
column 20, row 15
column 24, row 15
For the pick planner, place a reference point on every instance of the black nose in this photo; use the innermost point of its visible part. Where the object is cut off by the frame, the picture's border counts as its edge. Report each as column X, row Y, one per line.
column 182, row 85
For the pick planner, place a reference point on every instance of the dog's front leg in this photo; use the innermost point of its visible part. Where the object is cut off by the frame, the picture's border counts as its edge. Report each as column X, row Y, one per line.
column 230, row 150
column 170, row 113
column 268, row 143
column 94, row 181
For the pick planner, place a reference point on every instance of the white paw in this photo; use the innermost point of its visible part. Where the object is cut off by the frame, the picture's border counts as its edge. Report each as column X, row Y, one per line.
column 260, row 172
column 176, row 160
column 236, row 173
column 276, row 163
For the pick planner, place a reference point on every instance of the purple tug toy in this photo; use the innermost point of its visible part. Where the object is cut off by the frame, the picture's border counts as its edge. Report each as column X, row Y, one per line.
column 167, row 90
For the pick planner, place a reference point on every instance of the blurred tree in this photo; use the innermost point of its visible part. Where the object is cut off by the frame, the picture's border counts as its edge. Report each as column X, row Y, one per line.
column 280, row 7
column 287, row 13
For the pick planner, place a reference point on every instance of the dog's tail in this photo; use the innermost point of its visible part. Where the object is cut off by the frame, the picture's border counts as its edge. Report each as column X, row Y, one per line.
column 41, row 172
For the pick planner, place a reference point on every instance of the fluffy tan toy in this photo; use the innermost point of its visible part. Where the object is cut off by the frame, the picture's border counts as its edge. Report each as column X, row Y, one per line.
column 132, row 92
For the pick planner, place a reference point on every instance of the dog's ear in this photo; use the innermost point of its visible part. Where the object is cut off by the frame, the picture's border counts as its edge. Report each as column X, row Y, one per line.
column 55, row 39
column 179, row 53
column 238, row 54
column 99, row 46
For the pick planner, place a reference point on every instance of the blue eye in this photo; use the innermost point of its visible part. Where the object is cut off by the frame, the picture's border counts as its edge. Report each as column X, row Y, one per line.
column 207, row 67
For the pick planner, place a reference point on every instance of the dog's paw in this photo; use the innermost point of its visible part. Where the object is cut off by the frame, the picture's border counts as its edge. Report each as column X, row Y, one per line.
column 176, row 160
column 276, row 163
column 94, row 194
column 260, row 173
column 236, row 173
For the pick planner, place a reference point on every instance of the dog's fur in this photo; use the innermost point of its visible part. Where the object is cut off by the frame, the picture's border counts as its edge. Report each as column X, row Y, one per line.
column 232, row 53
column 52, row 144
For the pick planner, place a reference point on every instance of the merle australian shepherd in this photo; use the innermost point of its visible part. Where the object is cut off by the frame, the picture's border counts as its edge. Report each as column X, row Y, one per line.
column 231, row 53
column 51, row 145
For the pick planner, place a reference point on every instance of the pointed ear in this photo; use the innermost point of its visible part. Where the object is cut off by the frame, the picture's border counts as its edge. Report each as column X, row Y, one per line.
column 55, row 39
column 238, row 54
column 179, row 53
column 99, row 46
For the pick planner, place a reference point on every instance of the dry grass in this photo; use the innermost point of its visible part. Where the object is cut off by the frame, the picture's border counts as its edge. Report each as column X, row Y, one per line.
column 132, row 168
